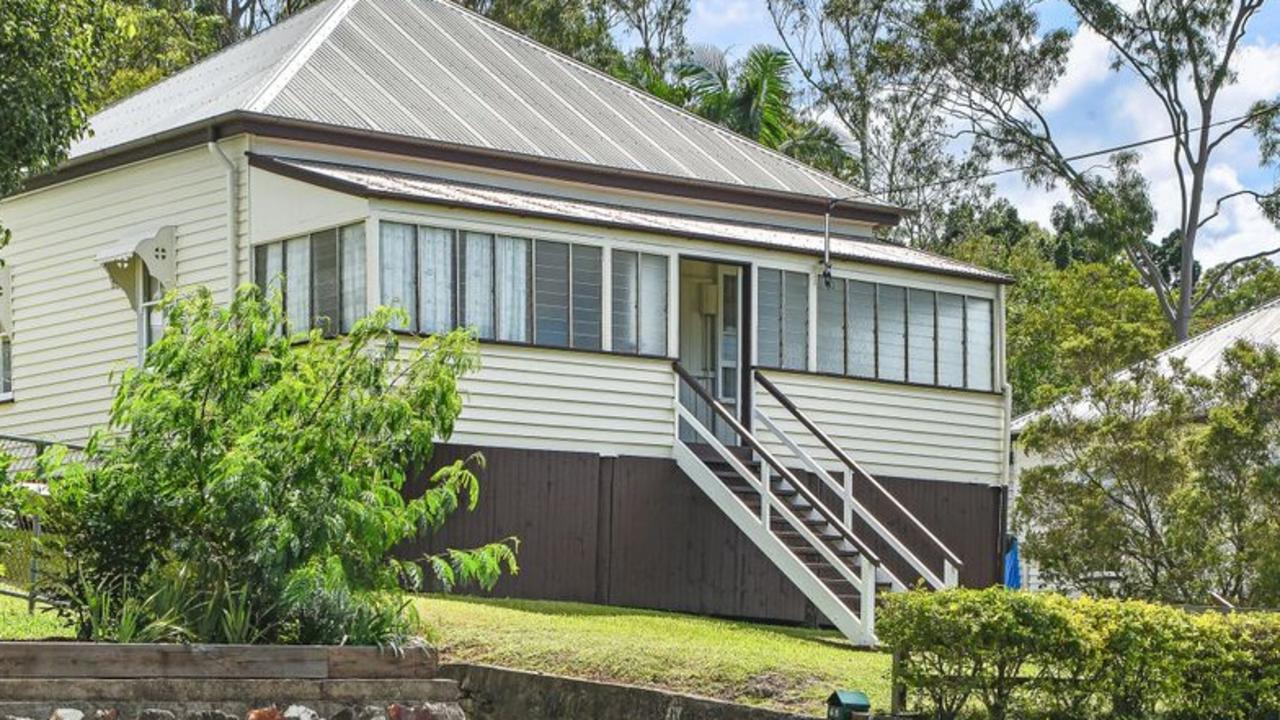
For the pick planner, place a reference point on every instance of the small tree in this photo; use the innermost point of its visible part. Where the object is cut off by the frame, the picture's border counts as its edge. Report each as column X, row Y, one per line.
column 248, row 485
column 1161, row 485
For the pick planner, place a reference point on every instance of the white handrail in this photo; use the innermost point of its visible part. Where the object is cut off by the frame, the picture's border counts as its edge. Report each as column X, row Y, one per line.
column 766, row 495
column 817, row 469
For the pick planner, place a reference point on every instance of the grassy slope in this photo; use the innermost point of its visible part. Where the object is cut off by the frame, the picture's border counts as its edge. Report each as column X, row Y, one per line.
column 16, row 624
column 781, row 667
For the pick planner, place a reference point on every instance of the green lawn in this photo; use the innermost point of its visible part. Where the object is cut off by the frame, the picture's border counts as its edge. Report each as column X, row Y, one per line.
column 16, row 624
column 786, row 668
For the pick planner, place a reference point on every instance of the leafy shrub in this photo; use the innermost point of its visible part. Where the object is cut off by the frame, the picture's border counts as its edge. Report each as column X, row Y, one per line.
column 1004, row 654
column 248, row 487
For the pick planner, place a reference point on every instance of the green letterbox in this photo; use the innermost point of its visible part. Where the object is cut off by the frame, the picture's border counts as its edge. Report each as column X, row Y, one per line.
column 847, row 705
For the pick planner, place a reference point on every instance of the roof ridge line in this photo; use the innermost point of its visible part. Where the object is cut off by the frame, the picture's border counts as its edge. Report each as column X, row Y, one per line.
column 1220, row 326
column 264, row 95
column 860, row 194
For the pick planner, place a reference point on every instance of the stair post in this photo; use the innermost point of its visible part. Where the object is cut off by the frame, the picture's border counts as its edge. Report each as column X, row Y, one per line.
column 867, row 598
column 766, row 490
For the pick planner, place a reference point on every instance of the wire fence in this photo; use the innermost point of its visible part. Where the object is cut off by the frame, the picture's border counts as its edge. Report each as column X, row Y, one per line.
column 20, row 534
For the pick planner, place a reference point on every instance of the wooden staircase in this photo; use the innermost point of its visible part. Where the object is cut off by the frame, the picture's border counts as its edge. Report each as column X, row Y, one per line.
column 811, row 543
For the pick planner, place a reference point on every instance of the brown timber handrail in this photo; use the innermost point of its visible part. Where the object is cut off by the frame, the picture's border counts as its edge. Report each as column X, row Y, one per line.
column 849, row 462
column 768, row 457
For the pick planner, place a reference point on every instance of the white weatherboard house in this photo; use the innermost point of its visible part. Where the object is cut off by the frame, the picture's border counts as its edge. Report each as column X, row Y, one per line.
column 678, row 410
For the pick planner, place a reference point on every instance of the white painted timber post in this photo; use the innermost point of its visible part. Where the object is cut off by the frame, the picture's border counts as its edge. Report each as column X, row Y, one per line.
column 867, row 596
column 766, row 491
column 848, row 498
column 950, row 574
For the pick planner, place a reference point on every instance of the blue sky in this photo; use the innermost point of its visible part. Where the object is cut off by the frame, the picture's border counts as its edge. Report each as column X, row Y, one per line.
column 1093, row 108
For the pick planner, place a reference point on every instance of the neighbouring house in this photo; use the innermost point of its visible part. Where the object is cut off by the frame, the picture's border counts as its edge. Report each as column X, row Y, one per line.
column 1201, row 354
column 681, row 405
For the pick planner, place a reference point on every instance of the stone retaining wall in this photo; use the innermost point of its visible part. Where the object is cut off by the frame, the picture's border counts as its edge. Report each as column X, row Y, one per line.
column 99, row 681
column 494, row 693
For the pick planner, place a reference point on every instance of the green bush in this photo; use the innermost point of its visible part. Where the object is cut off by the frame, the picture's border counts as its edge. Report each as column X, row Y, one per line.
column 249, row 485
column 1000, row 654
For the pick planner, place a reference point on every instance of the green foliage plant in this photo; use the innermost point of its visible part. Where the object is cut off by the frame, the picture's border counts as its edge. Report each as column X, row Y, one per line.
column 249, row 484
column 998, row 654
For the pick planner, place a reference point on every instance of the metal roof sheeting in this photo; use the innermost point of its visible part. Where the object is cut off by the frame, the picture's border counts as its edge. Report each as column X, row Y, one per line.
column 1203, row 353
column 431, row 70
column 375, row 182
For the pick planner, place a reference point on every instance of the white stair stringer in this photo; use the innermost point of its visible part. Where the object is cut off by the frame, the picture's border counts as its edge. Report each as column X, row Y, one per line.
column 844, row 618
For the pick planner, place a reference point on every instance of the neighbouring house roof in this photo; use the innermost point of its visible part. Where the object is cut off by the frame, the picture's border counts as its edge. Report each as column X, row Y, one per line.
column 433, row 71
column 1203, row 354
column 376, row 182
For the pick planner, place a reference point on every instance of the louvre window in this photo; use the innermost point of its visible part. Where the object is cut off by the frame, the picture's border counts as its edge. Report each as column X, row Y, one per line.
column 321, row 277
column 920, row 337
column 587, row 295
column 872, row 330
column 861, row 340
column 891, row 333
column 505, row 288
column 977, row 321
column 639, row 302
column 831, row 323
column 950, row 340
column 551, row 269
column 783, row 312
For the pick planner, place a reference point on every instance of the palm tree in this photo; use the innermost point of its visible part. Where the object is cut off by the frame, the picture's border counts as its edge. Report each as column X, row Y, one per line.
column 754, row 99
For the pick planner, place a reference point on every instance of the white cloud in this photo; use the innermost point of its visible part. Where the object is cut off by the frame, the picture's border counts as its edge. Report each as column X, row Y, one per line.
column 1240, row 228
column 1087, row 67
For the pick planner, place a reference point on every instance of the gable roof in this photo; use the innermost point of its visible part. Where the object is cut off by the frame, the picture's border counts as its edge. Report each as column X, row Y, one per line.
column 433, row 71
column 381, row 183
column 1203, row 353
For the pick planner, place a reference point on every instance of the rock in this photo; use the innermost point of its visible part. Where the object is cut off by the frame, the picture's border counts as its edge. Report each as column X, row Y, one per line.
column 66, row 714
column 427, row 711
column 211, row 715
column 155, row 714
column 300, row 712
column 106, row 714
column 13, row 717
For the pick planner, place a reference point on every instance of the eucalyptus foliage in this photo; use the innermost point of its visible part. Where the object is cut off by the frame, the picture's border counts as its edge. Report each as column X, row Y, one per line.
column 1001, row 66
column 249, row 484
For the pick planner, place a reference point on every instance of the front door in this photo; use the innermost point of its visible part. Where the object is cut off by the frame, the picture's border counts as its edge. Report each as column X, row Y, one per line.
column 712, row 341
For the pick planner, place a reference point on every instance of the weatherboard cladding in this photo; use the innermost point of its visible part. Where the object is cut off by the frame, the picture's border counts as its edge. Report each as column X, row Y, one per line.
column 376, row 182
column 431, row 70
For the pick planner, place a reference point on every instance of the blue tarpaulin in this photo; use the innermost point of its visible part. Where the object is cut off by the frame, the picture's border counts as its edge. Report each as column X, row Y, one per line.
column 1012, row 566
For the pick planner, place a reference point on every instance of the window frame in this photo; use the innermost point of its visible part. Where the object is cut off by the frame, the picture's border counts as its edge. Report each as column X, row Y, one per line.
column 146, row 308
column 606, row 245
column 335, row 323
column 965, row 295
column 6, row 366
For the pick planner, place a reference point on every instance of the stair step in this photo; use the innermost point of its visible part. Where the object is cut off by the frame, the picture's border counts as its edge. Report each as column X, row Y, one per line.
column 789, row 536
column 813, row 522
column 744, row 489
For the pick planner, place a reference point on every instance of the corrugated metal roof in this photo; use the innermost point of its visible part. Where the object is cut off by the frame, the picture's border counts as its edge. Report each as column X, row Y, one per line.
column 1203, row 353
column 429, row 69
column 375, row 182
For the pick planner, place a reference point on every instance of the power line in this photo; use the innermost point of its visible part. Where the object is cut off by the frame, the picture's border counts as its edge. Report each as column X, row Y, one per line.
column 1071, row 158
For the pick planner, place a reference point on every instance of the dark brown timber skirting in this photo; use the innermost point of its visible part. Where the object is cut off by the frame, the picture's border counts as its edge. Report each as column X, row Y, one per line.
column 636, row 532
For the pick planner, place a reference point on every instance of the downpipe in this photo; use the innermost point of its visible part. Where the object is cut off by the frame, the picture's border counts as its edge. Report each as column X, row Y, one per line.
column 233, row 216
